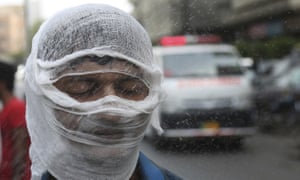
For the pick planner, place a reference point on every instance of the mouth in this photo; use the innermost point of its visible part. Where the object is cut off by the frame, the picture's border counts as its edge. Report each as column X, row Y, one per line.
column 107, row 133
column 113, row 134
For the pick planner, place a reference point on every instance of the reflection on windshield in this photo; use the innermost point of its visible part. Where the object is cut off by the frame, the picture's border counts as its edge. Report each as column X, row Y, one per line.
column 201, row 64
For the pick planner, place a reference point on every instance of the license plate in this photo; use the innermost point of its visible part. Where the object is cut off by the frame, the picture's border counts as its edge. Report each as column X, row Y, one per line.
column 211, row 125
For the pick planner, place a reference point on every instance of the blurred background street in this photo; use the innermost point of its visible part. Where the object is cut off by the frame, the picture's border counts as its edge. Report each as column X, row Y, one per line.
column 231, row 75
column 263, row 156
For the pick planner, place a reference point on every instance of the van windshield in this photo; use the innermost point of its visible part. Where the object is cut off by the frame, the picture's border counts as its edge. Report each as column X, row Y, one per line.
column 201, row 64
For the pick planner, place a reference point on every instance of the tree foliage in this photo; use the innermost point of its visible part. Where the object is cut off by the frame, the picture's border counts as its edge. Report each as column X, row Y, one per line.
column 277, row 47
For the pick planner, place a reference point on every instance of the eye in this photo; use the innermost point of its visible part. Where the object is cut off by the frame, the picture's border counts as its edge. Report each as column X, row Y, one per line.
column 77, row 86
column 132, row 88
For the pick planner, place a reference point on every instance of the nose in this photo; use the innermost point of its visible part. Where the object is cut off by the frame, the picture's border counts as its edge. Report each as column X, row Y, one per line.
column 108, row 90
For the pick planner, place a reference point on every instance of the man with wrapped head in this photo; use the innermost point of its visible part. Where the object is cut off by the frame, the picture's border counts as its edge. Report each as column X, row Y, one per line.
column 91, row 88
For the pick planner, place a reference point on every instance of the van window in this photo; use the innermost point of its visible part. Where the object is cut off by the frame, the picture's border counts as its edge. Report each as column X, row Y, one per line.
column 200, row 64
column 229, row 70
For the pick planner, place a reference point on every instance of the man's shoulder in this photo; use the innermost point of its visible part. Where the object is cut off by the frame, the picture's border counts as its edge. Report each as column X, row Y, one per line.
column 152, row 171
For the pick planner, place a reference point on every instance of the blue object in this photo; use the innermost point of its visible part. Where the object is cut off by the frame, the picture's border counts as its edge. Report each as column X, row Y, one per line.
column 148, row 169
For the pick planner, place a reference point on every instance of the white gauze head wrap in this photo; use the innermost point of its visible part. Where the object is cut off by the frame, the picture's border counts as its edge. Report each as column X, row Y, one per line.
column 81, row 143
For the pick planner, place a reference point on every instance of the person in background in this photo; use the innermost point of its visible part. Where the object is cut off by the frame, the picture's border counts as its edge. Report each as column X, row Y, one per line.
column 91, row 85
column 15, row 162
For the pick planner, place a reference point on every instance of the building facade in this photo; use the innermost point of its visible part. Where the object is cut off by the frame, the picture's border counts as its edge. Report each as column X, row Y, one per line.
column 232, row 19
column 159, row 17
column 259, row 19
column 12, row 35
column 178, row 17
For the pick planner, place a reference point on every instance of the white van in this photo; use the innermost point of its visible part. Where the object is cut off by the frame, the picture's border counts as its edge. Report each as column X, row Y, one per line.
column 209, row 94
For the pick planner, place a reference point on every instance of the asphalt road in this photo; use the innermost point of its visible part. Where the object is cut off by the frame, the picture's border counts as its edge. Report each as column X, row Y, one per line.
column 262, row 157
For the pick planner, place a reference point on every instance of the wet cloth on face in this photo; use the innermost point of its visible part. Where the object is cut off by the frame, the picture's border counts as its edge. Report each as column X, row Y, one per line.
column 70, row 136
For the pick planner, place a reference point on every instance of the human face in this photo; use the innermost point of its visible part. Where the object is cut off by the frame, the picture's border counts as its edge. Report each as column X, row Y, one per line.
column 94, row 86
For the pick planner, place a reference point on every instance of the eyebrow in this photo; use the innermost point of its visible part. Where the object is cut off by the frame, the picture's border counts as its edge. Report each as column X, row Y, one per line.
column 126, row 78
column 92, row 58
column 101, row 60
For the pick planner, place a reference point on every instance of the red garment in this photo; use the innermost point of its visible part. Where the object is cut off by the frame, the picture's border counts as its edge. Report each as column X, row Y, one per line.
column 12, row 116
